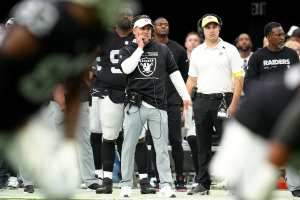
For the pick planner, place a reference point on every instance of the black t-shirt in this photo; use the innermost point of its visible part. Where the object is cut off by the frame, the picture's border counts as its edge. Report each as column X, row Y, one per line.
column 26, row 83
column 148, row 78
column 109, row 74
column 263, row 64
column 181, row 60
column 263, row 106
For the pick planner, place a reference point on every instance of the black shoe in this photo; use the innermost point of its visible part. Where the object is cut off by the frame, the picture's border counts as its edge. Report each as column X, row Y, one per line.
column 180, row 184
column 296, row 193
column 94, row 186
column 146, row 188
column 199, row 189
column 106, row 187
column 29, row 189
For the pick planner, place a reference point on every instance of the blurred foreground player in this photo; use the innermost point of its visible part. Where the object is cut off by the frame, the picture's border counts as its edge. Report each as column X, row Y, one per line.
column 243, row 157
column 52, row 42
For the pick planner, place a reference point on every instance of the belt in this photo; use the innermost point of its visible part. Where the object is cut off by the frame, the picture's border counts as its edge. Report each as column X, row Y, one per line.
column 214, row 95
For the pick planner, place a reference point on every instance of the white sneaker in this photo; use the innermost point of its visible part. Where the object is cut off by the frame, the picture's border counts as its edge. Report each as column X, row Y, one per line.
column 13, row 182
column 83, row 186
column 220, row 185
column 167, row 191
column 152, row 181
column 125, row 191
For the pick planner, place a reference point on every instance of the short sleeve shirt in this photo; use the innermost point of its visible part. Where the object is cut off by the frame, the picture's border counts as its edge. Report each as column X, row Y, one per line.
column 214, row 67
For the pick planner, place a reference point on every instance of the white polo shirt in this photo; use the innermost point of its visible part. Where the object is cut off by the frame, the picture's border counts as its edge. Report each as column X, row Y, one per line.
column 214, row 67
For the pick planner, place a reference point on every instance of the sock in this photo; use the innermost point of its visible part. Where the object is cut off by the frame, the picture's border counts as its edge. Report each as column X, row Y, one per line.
column 107, row 174
column 96, row 142
column 108, row 155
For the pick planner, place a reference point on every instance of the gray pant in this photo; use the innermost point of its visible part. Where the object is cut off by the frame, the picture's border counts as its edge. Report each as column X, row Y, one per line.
column 84, row 147
column 134, row 120
column 293, row 179
column 25, row 178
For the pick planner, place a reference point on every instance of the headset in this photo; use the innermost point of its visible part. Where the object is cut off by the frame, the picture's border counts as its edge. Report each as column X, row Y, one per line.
column 199, row 27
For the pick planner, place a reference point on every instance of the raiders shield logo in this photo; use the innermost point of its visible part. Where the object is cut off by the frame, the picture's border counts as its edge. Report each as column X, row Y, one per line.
column 147, row 66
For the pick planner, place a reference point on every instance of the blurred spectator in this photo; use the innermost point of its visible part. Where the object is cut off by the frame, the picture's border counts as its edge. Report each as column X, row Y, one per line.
column 293, row 45
column 291, row 30
column 244, row 45
column 192, row 40
column 295, row 35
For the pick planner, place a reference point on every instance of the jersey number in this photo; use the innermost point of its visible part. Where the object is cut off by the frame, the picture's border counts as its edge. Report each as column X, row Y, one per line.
column 114, row 59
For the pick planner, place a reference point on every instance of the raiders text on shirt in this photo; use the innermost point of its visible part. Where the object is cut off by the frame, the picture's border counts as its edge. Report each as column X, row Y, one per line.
column 276, row 62
column 264, row 62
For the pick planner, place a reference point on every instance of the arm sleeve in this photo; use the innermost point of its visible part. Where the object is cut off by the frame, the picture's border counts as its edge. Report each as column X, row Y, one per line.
column 178, row 82
column 130, row 62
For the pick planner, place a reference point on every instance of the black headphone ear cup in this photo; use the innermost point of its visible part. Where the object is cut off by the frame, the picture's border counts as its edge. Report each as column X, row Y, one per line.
column 199, row 30
column 220, row 20
column 201, row 34
column 199, row 23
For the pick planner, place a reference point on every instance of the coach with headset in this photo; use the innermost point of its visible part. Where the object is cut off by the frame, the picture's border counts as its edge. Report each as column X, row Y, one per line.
column 216, row 70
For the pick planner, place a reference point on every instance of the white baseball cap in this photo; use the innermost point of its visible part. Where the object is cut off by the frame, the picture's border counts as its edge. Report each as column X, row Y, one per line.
column 291, row 30
column 142, row 22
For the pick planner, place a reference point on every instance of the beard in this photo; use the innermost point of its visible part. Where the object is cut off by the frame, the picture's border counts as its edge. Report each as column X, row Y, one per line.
column 245, row 48
column 163, row 33
column 124, row 24
column 280, row 45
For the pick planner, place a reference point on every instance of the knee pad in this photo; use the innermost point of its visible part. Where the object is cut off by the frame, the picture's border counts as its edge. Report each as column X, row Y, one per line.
column 94, row 116
column 110, row 134
column 112, row 116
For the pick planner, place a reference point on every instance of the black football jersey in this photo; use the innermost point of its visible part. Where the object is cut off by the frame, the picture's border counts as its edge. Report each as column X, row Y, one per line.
column 149, row 77
column 109, row 74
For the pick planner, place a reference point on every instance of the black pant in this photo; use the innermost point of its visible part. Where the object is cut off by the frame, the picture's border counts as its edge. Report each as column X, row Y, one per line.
column 4, row 172
column 175, row 138
column 192, row 140
column 205, row 112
